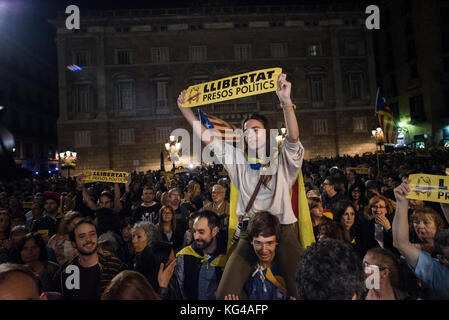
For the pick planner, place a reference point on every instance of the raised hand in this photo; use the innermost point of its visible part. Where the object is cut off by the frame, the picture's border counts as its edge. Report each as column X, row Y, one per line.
column 401, row 191
column 181, row 99
column 284, row 90
column 383, row 221
column 164, row 275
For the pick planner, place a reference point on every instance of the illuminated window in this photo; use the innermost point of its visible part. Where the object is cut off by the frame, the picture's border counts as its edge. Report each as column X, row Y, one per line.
column 420, row 145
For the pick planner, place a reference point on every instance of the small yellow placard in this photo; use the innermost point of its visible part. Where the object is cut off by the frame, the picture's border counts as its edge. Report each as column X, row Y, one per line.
column 238, row 86
column 429, row 187
column 104, row 176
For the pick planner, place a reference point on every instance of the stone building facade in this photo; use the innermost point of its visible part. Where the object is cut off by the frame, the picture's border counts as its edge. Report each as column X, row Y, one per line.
column 412, row 53
column 118, row 112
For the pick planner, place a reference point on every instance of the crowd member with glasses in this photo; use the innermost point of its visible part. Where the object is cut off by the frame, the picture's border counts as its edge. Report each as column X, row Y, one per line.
column 265, row 282
column 433, row 272
column 395, row 280
column 376, row 230
column 331, row 193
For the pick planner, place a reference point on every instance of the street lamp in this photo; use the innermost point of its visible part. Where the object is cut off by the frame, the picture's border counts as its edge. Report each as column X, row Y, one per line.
column 68, row 159
column 281, row 137
column 172, row 147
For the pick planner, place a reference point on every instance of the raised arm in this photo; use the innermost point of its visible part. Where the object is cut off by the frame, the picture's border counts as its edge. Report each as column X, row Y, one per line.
column 401, row 228
column 191, row 118
column 284, row 94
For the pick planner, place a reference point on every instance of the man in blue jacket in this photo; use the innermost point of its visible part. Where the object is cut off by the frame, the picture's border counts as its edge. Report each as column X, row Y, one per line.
column 200, row 265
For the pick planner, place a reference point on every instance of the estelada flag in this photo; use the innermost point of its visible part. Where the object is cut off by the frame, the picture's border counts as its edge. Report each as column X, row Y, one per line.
column 386, row 118
column 222, row 127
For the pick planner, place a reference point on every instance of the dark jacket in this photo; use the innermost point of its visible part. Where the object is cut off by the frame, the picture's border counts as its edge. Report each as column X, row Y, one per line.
column 365, row 238
column 198, row 278
column 109, row 265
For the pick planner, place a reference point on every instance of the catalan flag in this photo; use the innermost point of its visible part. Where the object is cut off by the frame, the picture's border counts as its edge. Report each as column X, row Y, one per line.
column 211, row 122
column 386, row 119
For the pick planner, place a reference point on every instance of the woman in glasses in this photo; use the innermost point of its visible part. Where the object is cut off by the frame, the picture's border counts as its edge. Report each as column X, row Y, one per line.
column 376, row 230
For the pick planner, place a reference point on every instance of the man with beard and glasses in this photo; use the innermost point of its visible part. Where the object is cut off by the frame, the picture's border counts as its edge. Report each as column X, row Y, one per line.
column 200, row 265
column 87, row 275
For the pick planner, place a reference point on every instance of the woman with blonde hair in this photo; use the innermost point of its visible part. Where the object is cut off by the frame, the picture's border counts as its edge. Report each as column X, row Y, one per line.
column 376, row 230
column 60, row 242
column 426, row 223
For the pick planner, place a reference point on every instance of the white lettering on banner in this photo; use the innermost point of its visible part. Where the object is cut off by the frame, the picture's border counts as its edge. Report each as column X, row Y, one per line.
column 72, row 21
column 373, row 20
column 73, row 280
column 372, row 281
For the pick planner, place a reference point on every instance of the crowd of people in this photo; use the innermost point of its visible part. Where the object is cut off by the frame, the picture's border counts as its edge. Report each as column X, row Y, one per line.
column 165, row 235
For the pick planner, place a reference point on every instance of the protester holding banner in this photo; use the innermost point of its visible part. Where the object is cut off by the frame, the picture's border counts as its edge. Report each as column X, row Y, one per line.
column 435, row 273
column 273, row 196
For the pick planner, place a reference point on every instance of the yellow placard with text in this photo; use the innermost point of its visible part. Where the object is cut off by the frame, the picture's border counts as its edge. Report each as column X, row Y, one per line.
column 238, row 86
column 429, row 187
column 104, row 176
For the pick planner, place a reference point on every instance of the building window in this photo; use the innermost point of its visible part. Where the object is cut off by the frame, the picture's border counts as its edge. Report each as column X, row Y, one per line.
column 82, row 98
column 82, row 58
column 242, row 52
column 82, row 139
column 354, row 48
column 314, row 50
column 125, row 95
column 279, row 50
column 320, row 127
column 417, row 113
column 360, row 124
column 160, row 55
column 355, row 85
column 163, row 134
column 126, row 137
column 123, row 56
column 161, row 94
column 316, row 86
column 198, row 53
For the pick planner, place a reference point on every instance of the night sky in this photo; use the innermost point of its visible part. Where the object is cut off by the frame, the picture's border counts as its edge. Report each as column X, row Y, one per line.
column 27, row 20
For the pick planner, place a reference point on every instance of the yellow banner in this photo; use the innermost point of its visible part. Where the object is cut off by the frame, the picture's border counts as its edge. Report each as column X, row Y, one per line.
column 429, row 187
column 358, row 170
column 104, row 176
column 238, row 86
